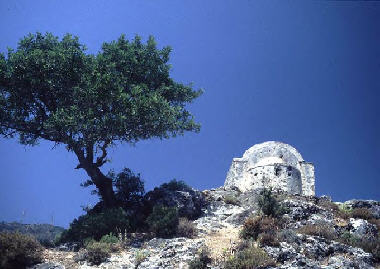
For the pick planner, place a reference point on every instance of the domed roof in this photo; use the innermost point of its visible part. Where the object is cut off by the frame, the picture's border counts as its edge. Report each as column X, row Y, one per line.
column 272, row 152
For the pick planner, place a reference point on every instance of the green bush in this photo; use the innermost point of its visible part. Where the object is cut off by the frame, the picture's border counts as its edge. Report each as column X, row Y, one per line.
column 95, row 225
column 97, row 252
column 268, row 204
column 186, row 228
column 251, row 257
column 253, row 226
column 18, row 250
column 163, row 221
column 201, row 261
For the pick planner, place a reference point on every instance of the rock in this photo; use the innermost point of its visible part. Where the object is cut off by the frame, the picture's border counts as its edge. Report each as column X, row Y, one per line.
column 69, row 247
column 188, row 201
column 361, row 228
column 48, row 265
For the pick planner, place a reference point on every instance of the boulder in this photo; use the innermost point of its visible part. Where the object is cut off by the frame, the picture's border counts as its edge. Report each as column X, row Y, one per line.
column 188, row 201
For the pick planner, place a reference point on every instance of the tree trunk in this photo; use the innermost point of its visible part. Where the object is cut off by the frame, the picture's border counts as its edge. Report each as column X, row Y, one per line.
column 103, row 184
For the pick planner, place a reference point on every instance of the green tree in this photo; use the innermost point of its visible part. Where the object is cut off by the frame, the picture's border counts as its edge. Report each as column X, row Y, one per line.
column 52, row 89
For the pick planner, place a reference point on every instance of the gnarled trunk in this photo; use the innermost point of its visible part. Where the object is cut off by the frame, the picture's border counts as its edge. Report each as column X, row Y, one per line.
column 103, row 184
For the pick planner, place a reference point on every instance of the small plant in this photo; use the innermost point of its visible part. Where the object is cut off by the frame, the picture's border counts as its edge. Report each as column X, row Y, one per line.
column 186, row 228
column 321, row 229
column 253, row 226
column 141, row 255
column 268, row 204
column 343, row 212
column 251, row 257
column 163, row 221
column 18, row 250
column 109, row 239
column 97, row 252
column 230, row 199
column 201, row 261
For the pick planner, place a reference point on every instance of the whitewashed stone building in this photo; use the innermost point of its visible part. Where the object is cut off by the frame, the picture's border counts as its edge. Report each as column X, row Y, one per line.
column 272, row 164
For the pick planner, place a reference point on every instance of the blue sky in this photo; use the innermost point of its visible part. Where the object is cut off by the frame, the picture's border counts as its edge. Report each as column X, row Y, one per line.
column 303, row 72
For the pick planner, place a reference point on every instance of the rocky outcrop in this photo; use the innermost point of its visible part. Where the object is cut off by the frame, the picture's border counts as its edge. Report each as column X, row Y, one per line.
column 222, row 213
column 188, row 201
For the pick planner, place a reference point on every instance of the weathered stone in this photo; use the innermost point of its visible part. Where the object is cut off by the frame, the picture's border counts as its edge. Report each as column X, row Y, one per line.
column 362, row 228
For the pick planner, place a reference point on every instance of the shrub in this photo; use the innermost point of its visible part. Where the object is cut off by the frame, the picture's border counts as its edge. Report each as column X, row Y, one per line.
column 186, row 228
column 201, row 261
column 97, row 252
column 230, row 199
column 18, row 250
column 321, row 229
column 163, row 221
column 253, row 226
column 176, row 185
column 361, row 213
column 95, row 225
column 268, row 239
column 251, row 257
column 268, row 204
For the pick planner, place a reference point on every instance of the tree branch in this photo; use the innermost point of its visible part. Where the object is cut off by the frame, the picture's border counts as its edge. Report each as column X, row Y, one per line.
column 102, row 159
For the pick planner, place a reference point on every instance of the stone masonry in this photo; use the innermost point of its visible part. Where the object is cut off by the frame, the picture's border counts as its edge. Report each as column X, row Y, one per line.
column 272, row 164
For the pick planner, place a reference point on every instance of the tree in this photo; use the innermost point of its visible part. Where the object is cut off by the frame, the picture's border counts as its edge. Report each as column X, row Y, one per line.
column 51, row 89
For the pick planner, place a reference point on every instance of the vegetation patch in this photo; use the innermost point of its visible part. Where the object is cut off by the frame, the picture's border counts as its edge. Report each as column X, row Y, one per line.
column 269, row 205
column 95, row 225
column 321, row 229
column 19, row 250
column 251, row 257
column 163, row 221
column 253, row 226
column 186, row 228
column 97, row 252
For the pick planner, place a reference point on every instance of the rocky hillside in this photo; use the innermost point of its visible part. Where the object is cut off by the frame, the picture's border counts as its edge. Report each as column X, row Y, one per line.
column 312, row 232
column 44, row 233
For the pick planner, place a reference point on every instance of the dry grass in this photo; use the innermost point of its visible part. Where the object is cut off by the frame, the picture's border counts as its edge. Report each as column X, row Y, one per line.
column 186, row 228
column 361, row 213
column 222, row 243
column 322, row 230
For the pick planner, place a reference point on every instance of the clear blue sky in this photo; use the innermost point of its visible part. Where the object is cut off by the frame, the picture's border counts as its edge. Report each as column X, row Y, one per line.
column 303, row 72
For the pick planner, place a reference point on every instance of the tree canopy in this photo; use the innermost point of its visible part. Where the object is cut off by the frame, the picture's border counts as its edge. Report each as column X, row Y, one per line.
column 51, row 89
